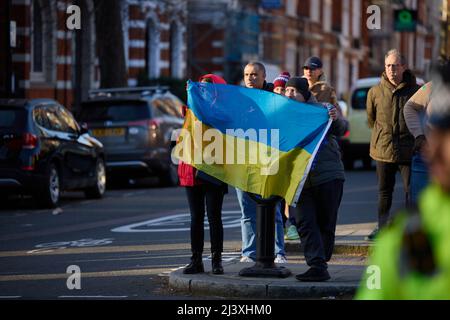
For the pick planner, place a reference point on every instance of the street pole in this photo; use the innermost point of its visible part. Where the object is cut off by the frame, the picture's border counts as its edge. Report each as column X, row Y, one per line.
column 265, row 241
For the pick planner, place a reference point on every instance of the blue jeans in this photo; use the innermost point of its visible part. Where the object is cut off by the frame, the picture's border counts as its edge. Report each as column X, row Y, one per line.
column 419, row 177
column 248, row 226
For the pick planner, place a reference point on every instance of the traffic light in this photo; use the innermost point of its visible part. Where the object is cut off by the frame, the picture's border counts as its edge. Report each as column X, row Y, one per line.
column 405, row 20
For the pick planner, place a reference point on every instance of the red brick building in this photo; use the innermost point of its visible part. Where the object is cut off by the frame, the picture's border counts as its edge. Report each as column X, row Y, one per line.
column 40, row 60
column 289, row 31
column 187, row 38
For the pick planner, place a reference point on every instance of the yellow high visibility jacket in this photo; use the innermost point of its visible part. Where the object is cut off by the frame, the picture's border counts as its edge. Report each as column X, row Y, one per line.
column 434, row 208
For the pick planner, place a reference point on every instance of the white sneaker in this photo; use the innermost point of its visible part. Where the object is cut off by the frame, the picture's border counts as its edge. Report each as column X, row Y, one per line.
column 246, row 259
column 280, row 259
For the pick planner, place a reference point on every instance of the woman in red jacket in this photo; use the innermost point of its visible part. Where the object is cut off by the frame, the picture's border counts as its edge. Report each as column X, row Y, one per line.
column 201, row 188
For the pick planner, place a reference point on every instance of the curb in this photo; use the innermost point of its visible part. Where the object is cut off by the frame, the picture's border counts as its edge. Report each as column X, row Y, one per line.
column 230, row 285
column 363, row 249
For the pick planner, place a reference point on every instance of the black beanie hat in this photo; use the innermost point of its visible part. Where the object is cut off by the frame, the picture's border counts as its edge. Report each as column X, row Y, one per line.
column 302, row 86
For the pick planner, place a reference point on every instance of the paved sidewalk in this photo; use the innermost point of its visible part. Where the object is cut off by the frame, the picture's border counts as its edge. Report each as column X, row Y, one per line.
column 345, row 269
column 350, row 239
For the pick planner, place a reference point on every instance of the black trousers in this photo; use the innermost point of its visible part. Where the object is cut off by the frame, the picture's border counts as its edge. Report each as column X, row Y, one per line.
column 212, row 195
column 386, row 182
column 316, row 218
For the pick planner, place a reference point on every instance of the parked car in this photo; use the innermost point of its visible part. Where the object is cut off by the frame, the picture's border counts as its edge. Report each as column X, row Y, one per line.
column 356, row 143
column 44, row 151
column 344, row 108
column 135, row 126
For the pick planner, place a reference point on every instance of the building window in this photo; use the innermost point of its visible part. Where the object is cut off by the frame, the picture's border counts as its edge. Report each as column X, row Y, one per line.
column 152, row 49
column 327, row 15
column 303, row 8
column 291, row 8
column 315, row 11
column 37, row 38
column 175, row 50
column 337, row 15
column 43, row 41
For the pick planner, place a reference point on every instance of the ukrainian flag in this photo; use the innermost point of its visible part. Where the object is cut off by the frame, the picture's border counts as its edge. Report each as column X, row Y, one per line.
column 257, row 141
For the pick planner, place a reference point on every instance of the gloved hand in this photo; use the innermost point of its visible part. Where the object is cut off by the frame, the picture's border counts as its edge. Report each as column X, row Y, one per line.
column 419, row 143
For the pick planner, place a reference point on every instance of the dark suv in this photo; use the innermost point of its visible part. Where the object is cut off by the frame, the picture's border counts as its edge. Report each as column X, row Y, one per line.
column 135, row 126
column 44, row 151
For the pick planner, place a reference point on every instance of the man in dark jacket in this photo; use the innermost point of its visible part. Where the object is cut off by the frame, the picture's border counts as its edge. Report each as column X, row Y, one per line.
column 317, row 210
column 391, row 144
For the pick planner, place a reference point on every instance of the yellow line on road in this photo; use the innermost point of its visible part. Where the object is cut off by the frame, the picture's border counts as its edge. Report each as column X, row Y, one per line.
column 107, row 249
column 104, row 274
column 228, row 245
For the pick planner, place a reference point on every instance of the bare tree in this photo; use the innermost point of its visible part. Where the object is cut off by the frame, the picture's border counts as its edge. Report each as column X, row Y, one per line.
column 110, row 50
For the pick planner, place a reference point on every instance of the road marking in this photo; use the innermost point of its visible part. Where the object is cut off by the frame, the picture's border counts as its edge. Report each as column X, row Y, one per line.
column 231, row 245
column 10, row 297
column 92, row 297
column 102, row 274
column 85, row 226
column 57, row 211
column 367, row 202
column 128, row 195
column 230, row 219
column 368, row 188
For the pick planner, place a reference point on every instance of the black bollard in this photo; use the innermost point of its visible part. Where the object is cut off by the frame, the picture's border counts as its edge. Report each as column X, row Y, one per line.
column 265, row 241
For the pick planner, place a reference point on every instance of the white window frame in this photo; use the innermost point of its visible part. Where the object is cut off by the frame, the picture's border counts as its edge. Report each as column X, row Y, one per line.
column 153, row 57
column 291, row 8
column 314, row 12
column 36, row 76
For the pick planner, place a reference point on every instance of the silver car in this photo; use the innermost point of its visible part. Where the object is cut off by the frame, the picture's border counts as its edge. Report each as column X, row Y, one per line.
column 135, row 126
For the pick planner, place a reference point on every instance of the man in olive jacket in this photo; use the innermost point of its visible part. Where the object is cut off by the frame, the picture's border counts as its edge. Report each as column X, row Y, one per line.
column 391, row 144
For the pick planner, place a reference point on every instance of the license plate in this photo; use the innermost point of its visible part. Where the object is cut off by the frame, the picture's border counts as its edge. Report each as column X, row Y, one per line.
column 109, row 132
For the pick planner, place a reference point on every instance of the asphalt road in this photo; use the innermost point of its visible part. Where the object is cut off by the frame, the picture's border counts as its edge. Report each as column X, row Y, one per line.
column 125, row 244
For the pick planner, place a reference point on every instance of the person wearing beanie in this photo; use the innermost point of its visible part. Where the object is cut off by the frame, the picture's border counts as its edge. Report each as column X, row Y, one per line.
column 290, row 233
column 412, row 255
column 313, row 72
column 297, row 88
column 317, row 210
column 279, row 83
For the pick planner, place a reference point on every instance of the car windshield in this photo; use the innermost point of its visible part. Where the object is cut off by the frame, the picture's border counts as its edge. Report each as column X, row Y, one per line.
column 116, row 111
column 12, row 118
column 359, row 98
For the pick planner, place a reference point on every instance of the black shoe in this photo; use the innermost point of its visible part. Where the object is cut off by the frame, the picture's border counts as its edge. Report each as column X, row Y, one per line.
column 372, row 236
column 314, row 275
column 217, row 263
column 196, row 265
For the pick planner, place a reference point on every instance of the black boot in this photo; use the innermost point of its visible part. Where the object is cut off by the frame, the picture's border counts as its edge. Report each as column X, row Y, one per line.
column 217, row 263
column 196, row 265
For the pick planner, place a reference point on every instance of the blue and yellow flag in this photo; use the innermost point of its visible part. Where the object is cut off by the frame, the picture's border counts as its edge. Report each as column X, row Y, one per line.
column 257, row 141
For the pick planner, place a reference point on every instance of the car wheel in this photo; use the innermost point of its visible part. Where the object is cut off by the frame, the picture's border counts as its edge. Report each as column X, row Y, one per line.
column 98, row 189
column 49, row 195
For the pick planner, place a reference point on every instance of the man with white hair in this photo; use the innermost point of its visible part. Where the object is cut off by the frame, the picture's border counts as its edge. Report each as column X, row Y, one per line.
column 391, row 144
column 412, row 255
